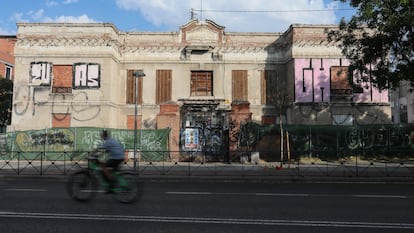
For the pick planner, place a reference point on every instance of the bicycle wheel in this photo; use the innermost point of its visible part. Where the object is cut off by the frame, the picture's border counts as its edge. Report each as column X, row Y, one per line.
column 127, row 187
column 82, row 186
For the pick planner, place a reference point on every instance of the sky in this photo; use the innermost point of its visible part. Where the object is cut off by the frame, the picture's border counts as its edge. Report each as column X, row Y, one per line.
column 169, row 15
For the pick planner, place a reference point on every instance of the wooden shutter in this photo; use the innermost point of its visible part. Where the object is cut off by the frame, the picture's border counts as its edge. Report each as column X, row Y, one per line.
column 164, row 86
column 239, row 85
column 263, row 87
column 268, row 86
column 130, row 88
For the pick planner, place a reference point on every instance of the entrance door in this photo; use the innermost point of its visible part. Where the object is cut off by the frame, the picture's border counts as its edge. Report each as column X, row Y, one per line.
column 205, row 131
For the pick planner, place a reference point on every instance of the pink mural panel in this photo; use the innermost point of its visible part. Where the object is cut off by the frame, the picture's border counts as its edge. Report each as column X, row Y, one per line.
column 313, row 82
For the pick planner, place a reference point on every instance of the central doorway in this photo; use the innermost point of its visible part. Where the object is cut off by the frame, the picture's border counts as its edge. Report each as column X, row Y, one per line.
column 204, row 130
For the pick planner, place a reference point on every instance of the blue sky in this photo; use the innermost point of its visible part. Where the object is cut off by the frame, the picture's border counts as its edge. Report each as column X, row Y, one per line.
column 169, row 15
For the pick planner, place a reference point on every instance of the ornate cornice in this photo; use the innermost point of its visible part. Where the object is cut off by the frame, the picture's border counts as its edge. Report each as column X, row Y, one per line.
column 84, row 41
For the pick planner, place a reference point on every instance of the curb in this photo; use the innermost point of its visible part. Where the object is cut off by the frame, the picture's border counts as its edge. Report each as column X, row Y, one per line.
column 228, row 179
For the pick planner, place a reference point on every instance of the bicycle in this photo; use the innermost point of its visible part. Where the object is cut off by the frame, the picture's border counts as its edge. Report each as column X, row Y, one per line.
column 84, row 184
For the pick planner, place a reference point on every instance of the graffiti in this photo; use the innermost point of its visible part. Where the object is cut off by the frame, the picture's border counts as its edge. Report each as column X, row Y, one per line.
column 37, row 90
column 234, row 127
column 56, row 116
column 82, row 112
column 56, row 140
column 150, row 141
column 352, row 139
column 21, row 98
column 320, row 83
column 86, row 75
column 90, row 111
column 90, row 138
column 149, row 123
column 41, row 73
column 79, row 140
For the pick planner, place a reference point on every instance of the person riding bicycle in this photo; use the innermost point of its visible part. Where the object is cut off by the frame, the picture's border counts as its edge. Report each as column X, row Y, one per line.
column 115, row 151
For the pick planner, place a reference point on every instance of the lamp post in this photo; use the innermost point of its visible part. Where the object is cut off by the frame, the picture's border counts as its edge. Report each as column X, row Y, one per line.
column 137, row 75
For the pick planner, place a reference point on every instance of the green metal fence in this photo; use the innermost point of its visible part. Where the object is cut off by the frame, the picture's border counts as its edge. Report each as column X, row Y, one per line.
column 323, row 151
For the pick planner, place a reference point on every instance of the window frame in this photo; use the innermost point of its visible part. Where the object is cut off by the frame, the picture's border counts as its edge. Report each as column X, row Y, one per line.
column 196, row 83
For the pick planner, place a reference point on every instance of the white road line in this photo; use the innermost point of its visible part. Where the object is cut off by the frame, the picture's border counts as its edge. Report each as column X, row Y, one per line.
column 291, row 195
column 380, row 196
column 283, row 194
column 24, row 190
column 191, row 220
column 189, row 193
column 238, row 194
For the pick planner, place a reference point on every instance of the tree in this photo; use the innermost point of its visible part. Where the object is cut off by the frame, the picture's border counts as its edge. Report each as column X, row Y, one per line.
column 6, row 93
column 379, row 41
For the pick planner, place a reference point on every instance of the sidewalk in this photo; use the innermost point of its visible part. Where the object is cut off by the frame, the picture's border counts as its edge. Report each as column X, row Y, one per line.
column 224, row 172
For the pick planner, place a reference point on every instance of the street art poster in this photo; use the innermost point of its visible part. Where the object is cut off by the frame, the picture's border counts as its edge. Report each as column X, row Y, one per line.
column 41, row 73
column 86, row 75
column 191, row 138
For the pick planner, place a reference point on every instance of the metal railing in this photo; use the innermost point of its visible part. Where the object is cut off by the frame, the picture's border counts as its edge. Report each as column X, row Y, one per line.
column 235, row 164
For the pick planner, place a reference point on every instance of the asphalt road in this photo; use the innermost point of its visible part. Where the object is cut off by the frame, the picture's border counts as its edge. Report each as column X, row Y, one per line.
column 43, row 206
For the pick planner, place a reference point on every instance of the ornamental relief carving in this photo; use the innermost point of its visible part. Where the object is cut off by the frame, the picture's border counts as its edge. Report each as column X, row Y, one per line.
column 67, row 42
column 202, row 35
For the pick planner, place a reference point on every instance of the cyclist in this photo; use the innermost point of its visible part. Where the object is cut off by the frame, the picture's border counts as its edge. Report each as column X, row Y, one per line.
column 115, row 159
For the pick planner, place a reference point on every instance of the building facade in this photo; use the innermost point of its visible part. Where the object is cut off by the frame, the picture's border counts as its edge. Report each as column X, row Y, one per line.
column 7, row 56
column 198, row 81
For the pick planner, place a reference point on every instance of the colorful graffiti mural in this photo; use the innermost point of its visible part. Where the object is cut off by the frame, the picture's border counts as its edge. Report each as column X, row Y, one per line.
column 82, row 139
column 317, row 79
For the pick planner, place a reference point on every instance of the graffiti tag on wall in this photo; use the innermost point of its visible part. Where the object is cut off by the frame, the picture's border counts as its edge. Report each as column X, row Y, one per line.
column 51, row 140
column 86, row 76
column 41, row 73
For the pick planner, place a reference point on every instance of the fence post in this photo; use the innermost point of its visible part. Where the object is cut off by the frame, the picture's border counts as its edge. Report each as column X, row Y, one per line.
column 18, row 163
column 41, row 162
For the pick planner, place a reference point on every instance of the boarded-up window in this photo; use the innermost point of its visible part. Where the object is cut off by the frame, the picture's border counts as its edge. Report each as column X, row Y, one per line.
column 164, row 86
column 339, row 81
column 62, row 79
column 61, row 120
column 239, row 85
column 201, row 83
column 269, row 87
column 131, row 88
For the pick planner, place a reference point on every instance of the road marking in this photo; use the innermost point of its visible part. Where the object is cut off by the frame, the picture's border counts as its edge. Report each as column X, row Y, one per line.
column 238, row 194
column 189, row 193
column 25, row 190
column 380, row 196
column 291, row 195
column 191, row 220
column 283, row 194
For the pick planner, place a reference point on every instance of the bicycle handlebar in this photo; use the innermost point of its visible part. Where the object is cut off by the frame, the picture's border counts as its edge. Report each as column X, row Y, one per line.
column 94, row 155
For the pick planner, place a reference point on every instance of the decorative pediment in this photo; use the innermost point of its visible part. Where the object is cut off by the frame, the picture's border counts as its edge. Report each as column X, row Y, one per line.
column 202, row 33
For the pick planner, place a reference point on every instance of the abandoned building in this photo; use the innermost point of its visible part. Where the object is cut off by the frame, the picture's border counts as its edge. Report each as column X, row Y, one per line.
column 198, row 79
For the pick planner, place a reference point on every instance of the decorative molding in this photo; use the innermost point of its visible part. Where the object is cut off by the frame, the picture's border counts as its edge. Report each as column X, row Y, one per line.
column 67, row 42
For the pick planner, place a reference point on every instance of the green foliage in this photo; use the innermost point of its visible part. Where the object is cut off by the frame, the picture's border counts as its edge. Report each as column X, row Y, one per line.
column 379, row 41
column 6, row 93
